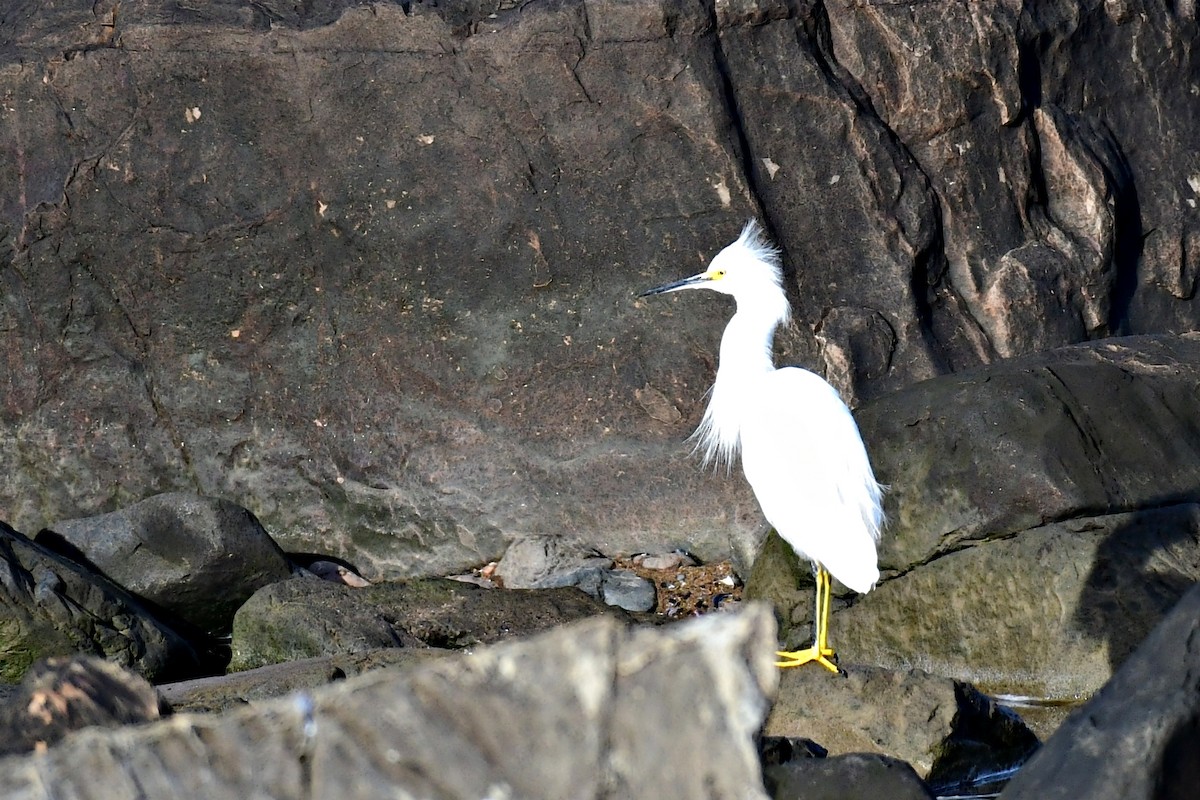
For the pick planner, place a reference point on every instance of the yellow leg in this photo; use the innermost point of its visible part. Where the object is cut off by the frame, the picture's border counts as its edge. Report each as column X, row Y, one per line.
column 820, row 652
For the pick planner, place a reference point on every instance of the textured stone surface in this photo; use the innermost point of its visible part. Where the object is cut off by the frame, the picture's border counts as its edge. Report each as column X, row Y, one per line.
column 1138, row 738
column 546, row 562
column 368, row 269
column 227, row 692
column 307, row 617
column 61, row 695
column 1003, row 562
column 490, row 724
column 1051, row 612
column 854, row 776
column 947, row 730
column 199, row 558
column 50, row 606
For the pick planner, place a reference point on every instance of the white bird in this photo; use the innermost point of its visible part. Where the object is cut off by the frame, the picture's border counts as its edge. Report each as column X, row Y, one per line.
column 800, row 447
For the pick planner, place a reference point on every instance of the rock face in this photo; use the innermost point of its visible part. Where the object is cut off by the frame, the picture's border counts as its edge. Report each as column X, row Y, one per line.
column 368, row 269
column 198, row 558
column 1138, row 738
column 306, row 617
column 52, row 607
column 491, row 724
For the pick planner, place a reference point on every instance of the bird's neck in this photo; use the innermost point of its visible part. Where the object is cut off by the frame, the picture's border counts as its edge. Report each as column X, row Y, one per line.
column 746, row 346
column 745, row 355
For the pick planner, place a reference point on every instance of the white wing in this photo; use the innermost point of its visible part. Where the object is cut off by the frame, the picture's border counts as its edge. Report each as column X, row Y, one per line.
column 804, row 458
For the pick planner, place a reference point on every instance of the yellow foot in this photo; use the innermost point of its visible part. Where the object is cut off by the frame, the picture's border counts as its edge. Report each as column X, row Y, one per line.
column 808, row 655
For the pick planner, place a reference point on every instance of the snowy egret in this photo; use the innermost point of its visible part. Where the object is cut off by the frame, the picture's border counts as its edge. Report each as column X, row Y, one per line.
column 800, row 447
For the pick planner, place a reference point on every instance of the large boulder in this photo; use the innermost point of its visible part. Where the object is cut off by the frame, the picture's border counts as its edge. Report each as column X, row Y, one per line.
column 198, row 558
column 368, row 269
column 1074, row 432
column 1044, row 512
column 1050, row 613
column 585, row 711
column 61, row 695
column 50, row 606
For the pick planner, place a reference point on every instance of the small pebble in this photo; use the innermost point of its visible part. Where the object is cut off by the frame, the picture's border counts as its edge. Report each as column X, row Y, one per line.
column 627, row 590
column 327, row 570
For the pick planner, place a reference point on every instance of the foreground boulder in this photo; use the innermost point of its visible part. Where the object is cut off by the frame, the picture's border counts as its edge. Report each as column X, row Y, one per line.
column 1138, row 739
column 649, row 712
column 199, row 558
column 60, row 695
column 50, row 606
column 308, row 617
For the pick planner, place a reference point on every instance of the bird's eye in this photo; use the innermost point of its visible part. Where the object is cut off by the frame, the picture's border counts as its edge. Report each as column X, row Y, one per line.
column 718, row 274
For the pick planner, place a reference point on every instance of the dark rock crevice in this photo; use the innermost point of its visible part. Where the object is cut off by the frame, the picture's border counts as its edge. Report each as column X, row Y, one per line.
column 919, row 224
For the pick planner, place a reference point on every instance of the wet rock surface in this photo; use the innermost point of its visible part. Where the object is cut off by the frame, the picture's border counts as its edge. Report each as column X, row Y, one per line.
column 948, row 731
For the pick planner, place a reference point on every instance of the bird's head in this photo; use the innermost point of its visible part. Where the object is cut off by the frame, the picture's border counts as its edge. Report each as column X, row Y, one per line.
column 749, row 269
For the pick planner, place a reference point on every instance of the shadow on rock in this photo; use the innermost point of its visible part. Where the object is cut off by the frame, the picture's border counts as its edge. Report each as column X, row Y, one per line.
column 1140, row 572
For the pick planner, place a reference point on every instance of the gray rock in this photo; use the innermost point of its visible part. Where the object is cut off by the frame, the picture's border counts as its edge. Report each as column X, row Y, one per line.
column 1137, row 739
column 1074, row 432
column 220, row 693
column 50, row 606
column 198, row 558
column 627, row 590
column 404, row 333
column 549, row 562
column 487, row 725
column 308, row 617
column 1050, row 613
column 854, row 776
column 544, row 562
column 61, row 695
column 659, row 561
column 947, row 730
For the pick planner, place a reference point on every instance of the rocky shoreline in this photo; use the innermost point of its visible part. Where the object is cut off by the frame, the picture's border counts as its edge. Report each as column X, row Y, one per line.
column 302, row 646
column 308, row 308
